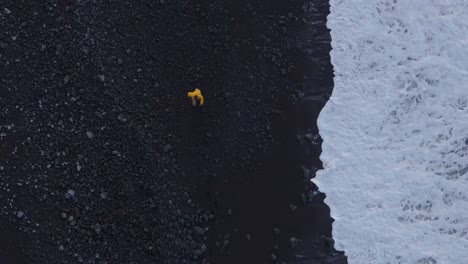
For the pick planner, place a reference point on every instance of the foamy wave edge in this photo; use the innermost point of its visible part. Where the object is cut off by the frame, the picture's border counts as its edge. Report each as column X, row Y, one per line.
column 433, row 67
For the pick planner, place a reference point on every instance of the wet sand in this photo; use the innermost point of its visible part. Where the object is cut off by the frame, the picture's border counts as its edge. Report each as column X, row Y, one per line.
column 137, row 175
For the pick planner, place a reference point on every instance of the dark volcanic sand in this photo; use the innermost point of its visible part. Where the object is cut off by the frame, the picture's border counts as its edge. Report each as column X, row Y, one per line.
column 104, row 160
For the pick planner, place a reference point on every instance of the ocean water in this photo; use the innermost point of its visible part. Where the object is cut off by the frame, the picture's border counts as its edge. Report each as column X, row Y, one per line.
column 395, row 131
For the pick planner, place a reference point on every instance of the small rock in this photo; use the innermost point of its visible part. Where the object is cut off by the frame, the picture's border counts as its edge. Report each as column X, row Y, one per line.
column 293, row 242
column 167, row 148
column 276, row 231
column 299, row 257
column 70, row 193
column 89, row 134
column 97, row 228
column 273, row 256
column 199, row 230
column 292, row 207
column 121, row 117
column 328, row 241
column 284, row 30
column 19, row 214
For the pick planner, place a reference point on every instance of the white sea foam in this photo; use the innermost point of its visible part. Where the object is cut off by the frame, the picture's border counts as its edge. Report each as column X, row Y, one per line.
column 395, row 131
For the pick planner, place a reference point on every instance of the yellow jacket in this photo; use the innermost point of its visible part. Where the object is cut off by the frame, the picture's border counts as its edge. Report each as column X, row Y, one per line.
column 196, row 95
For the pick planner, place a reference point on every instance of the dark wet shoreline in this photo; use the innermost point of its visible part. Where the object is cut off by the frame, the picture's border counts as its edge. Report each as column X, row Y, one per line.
column 158, row 181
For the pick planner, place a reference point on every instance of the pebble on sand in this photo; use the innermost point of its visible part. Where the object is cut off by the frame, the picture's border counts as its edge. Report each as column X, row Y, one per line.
column 167, row 148
column 19, row 214
column 89, row 134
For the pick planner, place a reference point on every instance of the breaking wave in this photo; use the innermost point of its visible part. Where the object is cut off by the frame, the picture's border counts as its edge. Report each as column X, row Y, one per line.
column 395, row 131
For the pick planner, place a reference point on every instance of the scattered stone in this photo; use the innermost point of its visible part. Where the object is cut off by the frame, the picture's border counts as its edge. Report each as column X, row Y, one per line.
column 299, row 257
column 199, row 230
column 284, row 30
column 97, row 228
column 19, row 214
column 310, row 196
column 276, row 231
column 328, row 241
column 293, row 242
column 101, row 77
column 167, row 148
column 292, row 207
column 121, row 117
column 89, row 134
column 70, row 193
column 304, row 198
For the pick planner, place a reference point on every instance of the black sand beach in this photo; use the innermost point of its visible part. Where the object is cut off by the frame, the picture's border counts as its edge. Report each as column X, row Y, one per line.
column 104, row 160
